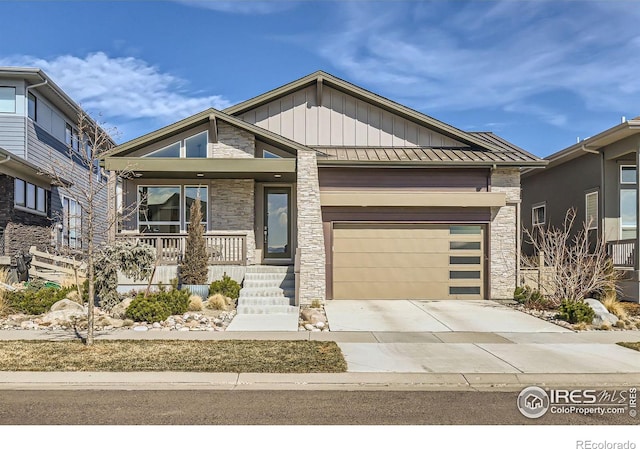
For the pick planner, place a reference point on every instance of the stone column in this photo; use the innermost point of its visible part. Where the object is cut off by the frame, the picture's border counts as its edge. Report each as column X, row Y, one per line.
column 504, row 234
column 310, row 250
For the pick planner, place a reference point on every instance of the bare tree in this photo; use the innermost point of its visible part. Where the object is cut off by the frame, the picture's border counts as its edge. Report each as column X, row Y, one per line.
column 89, row 191
column 576, row 266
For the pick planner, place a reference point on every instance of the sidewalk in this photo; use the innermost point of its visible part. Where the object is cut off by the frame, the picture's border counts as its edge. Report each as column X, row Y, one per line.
column 383, row 360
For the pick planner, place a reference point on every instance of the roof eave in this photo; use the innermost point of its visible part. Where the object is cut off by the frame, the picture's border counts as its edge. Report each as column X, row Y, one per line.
column 483, row 164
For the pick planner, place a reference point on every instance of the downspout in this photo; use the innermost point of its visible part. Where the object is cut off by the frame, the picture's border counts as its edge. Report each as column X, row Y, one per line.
column 7, row 158
column 26, row 115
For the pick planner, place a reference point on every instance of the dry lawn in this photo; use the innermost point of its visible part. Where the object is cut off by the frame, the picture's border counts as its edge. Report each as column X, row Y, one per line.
column 631, row 345
column 225, row 356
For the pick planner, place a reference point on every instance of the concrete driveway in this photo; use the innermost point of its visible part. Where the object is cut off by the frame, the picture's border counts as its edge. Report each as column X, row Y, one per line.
column 431, row 316
column 470, row 337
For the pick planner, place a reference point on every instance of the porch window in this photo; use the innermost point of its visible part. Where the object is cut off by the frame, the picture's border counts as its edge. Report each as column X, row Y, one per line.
column 159, row 209
column 190, row 195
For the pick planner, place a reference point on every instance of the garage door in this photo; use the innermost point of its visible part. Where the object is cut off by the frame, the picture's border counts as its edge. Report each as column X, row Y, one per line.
column 407, row 261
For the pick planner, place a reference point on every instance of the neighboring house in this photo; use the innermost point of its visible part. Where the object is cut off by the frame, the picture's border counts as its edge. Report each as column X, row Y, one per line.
column 39, row 205
column 598, row 178
column 367, row 198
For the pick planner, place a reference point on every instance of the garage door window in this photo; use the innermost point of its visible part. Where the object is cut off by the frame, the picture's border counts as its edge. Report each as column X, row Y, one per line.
column 464, row 290
column 465, row 230
column 464, row 274
column 464, row 245
column 464, row 260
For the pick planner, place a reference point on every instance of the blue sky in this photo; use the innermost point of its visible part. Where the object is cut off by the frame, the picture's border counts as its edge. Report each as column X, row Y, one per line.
column 538, row 73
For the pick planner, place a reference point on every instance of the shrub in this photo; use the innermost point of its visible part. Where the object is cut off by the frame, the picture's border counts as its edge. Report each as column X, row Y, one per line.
column 35, row 300
column 530, row 298
column 217, row 302
column 316, row 304
column 195, row 303
column 575, row 312
column 226, row 287
column 172, row 302
column 147, row 309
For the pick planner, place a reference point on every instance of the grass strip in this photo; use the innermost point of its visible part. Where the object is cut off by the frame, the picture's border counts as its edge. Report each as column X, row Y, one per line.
column 630, row 345
column 219, row 356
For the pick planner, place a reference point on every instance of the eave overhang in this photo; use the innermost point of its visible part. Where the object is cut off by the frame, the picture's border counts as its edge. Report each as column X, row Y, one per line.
column 414, row 164
column 18, row 166
column 211, row 168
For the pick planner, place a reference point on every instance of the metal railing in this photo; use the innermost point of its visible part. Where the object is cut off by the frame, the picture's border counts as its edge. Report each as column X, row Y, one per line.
column 223, row 249
column 622, row 252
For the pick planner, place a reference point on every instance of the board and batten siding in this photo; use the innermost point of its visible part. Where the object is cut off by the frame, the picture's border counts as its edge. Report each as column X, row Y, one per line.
column 12, row 134
column 341, row 120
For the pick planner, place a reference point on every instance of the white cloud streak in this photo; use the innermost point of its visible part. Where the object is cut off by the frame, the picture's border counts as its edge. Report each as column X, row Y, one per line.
column 472, row 55
column 121, row 88
column 242, row 6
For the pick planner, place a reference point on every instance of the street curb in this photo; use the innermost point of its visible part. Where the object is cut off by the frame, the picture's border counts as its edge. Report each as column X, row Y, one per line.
column 18, row 380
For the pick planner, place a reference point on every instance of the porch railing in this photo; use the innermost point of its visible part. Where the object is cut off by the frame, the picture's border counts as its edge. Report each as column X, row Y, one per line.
column 622, row 252
column 223, row 249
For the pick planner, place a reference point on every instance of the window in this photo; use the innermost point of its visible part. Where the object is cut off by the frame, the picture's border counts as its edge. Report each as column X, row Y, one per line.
column 8, row 99
column 172, row 150
column 159, row 210
column 192, row 147
column 591, row 210
column 30, row 196
column 33, row 107
column 627, row 174
column 20, row 192
column 72, row 223
column 269, row 155
column 196, row 146
column 68, row 134
column 539, row 215
column 628, row 204
column 190, row 194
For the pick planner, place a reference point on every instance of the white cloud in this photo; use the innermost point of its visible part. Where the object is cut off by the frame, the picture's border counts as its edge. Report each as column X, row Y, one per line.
column 242, row 6
column 121, row 88
column 474, row 55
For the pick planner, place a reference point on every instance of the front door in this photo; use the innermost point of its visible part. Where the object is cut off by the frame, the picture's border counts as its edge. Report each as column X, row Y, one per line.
column 277, row 223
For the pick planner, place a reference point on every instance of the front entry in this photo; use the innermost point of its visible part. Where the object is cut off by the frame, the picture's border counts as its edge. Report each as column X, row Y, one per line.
column 277, row 223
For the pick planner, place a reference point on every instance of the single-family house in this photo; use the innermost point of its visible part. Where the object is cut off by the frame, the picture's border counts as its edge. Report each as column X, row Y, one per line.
column 41, row 170
column 365, row 198
column 597, row 177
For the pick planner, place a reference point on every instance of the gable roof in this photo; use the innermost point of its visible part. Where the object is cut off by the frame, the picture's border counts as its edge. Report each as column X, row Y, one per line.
column 321, row 78
column 200, row 118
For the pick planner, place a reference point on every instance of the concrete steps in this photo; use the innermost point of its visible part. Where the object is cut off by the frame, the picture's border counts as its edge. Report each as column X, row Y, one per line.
column 268, row 290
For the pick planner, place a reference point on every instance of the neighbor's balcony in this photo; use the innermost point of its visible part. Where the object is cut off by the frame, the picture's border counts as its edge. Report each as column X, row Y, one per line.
column 222, row 248
column 623, row 252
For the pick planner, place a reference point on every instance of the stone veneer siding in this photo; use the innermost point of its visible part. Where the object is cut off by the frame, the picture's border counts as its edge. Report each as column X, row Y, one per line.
column 504, row 250
column 232, row 209
column 312, row 276
column 233, row 143
column 21, row 229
